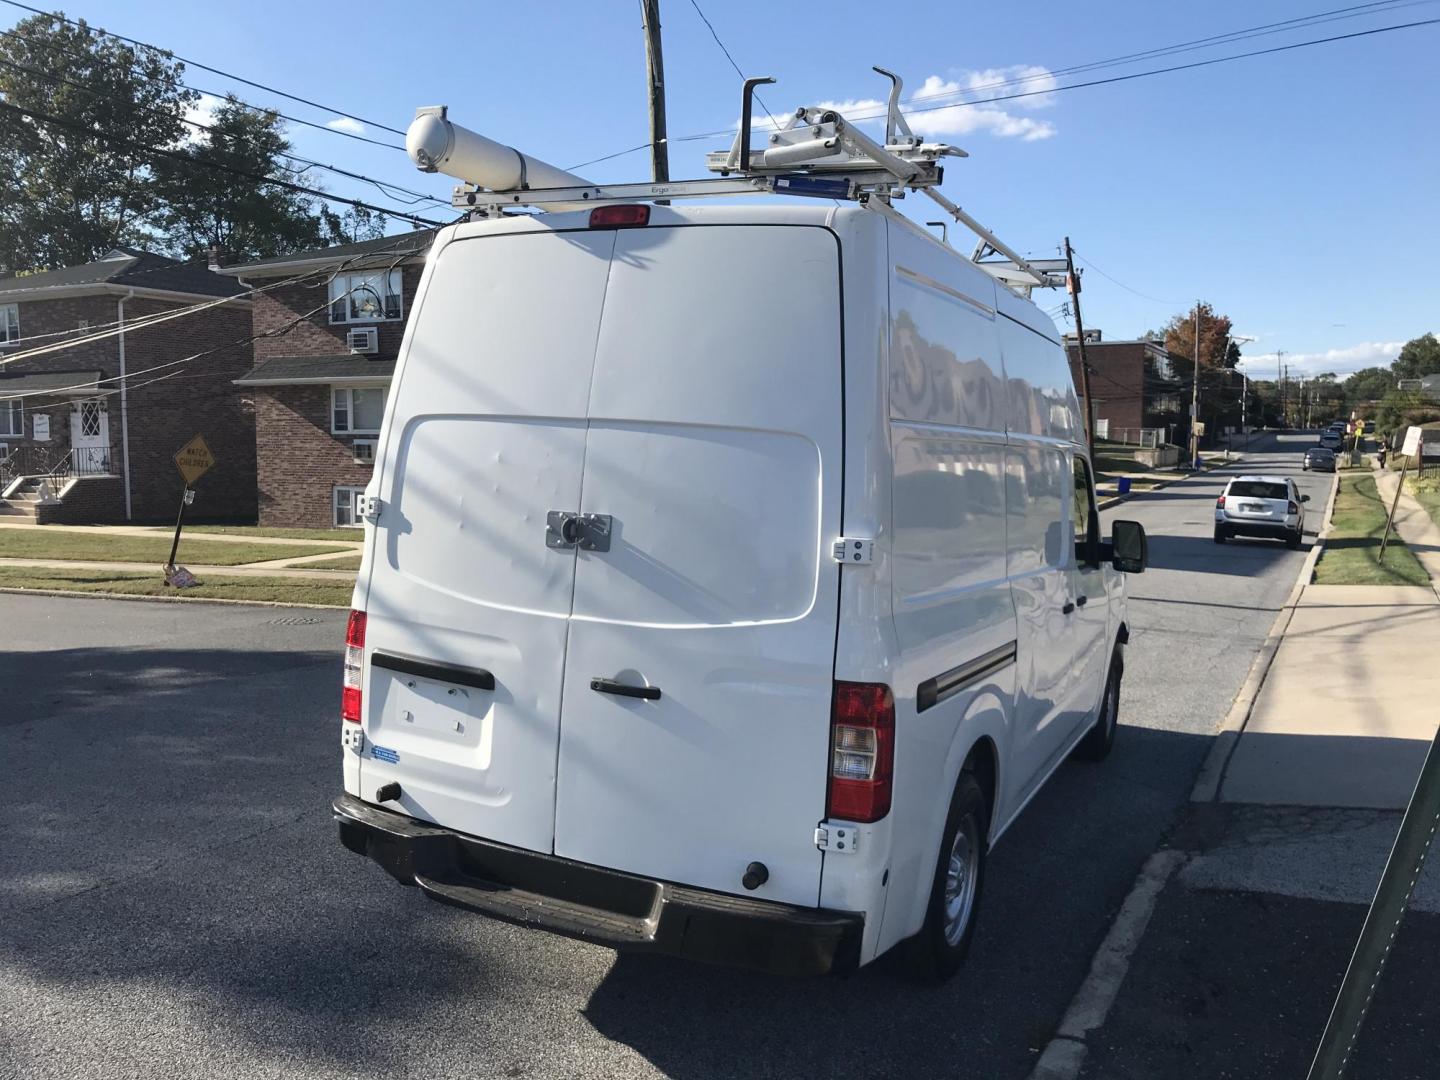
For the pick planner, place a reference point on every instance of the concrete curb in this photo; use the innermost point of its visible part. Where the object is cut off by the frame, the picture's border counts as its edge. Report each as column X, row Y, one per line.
column 1065, row 1053
column 1212, row 772
column 74, row 594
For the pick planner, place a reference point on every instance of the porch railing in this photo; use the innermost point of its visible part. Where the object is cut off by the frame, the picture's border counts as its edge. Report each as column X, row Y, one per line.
column 55, row 463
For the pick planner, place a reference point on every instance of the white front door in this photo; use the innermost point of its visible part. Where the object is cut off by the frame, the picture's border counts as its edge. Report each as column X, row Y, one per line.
column 90, row 437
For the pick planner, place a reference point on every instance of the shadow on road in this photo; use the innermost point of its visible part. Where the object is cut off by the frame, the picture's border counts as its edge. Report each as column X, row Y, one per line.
column 170, row 867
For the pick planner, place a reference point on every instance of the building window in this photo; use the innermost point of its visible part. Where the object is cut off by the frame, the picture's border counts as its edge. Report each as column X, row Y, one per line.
column 12, row 417
column 373, row 296
column 9, row 323
column 363, row 451
column 356, row 410
column 347, row 507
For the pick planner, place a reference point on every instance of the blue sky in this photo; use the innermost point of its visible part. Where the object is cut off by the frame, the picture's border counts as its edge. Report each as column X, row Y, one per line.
column 1297, row 192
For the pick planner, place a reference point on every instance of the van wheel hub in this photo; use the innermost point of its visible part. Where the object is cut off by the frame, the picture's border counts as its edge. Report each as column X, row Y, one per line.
column 960, row 877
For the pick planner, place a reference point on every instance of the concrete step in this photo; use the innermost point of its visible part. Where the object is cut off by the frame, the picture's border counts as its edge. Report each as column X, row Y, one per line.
column 8, row 509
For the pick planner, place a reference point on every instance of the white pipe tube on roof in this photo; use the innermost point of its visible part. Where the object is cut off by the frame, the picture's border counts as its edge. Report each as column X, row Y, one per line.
column 437, row 145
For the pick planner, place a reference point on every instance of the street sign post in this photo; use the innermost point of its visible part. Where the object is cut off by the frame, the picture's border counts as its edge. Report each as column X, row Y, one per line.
column 1412, row 448
column 194, row 460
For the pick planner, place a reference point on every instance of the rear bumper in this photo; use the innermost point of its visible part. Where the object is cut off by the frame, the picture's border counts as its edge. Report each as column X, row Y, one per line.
column 1237, row 526
column 606, row 907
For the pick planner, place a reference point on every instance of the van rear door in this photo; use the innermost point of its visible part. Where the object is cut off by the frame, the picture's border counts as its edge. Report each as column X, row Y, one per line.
column 485, row 436
column 715, row 448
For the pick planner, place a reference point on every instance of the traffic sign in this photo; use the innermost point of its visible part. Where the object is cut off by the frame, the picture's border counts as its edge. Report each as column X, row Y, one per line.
column 194, row 459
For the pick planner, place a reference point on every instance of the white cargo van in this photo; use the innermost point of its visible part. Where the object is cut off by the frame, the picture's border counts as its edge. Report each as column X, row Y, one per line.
column 734, row 581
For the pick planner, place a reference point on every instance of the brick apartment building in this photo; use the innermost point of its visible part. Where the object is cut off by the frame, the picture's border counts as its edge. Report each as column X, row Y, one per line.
column 89, row 429
column 319, row 388
column 1132, row 385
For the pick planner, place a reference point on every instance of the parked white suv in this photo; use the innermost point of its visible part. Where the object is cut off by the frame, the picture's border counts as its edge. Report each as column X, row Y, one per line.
column 1261, row 506
column 734, row 581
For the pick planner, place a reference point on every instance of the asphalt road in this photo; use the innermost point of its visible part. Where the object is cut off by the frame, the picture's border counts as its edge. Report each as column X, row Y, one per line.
column 174, row 902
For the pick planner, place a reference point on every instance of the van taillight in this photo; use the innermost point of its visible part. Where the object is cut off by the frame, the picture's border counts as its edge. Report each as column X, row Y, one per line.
column 1220, row 503
column 619, row 217
column 862, row 751
column 354, row 663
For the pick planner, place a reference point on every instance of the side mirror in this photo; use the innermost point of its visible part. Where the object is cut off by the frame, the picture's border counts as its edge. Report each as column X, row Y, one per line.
column 1304, row 498
column 1129, row 551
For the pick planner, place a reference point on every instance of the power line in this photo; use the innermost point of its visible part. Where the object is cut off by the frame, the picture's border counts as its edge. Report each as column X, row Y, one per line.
column 52, row 47
column 205, row 67
column 1173, row 68
column 145, row 148
column 1127, row 288
column 384, row 188
column 711, row 27
column 1262, row 30
column 1083, row 85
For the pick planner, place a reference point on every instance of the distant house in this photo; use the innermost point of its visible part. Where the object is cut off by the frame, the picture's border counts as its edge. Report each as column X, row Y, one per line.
column 89, row 427
column 1132, row 385
column 320, row 386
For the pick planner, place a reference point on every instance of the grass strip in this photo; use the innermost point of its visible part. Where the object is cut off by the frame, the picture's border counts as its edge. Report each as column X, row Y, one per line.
column 109, row 547
column 130, row 583
column 1352, row 549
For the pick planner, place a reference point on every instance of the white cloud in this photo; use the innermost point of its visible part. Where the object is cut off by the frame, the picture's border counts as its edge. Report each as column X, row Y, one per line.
column 347, row 123
column 1341, row 361
column 931, row 114
column 202, row 112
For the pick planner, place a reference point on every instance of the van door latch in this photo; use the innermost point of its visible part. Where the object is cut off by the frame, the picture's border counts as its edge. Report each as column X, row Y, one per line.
column 854, row 549
column 588, row 532
column 839, row 837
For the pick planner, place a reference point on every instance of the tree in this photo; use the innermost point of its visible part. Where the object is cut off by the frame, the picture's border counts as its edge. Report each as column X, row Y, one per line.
column 354, row 225
column 1214, row 333
column 70, row 187
column 1368, row 384
column 1419, row 357
column 209, row 197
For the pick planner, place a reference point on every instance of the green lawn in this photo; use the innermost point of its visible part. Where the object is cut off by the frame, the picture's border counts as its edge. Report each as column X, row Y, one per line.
column 106, row 547
column 353, row 535
column 1352, row 548
column 341, row 562
column 130, row 583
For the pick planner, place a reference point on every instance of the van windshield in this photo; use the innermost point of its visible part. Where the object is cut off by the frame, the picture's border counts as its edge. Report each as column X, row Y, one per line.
column 1259, row 489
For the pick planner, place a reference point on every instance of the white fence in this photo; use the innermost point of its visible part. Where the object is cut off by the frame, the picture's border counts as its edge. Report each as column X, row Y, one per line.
column 1146, row 438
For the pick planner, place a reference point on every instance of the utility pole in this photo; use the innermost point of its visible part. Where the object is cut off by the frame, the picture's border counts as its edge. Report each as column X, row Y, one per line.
column 1195, row 394
column 1280, row 374
column 655, row 72
column 1072, row 285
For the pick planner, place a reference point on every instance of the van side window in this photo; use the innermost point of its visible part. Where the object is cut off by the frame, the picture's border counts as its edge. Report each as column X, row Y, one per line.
column 1087, row 524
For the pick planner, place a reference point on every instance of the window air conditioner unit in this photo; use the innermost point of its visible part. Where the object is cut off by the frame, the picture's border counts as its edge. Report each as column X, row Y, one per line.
column 363, row 451
column 364, row 339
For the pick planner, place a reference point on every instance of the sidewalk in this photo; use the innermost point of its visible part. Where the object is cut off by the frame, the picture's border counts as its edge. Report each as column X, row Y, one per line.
column 152, row 531
column 1255, row 903
column 283, row 568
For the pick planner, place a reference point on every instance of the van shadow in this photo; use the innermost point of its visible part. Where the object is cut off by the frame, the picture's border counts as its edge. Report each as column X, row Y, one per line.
column 170, row 866
column 1053, row 885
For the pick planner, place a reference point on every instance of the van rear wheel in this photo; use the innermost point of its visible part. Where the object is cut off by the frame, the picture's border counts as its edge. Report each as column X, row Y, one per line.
column 1100, row 738
column 938, row 950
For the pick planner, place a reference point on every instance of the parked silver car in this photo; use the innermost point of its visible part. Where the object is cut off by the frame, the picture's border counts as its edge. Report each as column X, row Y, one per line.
column 1261, row 506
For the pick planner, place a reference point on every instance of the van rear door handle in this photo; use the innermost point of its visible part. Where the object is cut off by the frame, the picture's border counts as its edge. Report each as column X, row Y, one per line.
column 1068, row 608
column 610, row 686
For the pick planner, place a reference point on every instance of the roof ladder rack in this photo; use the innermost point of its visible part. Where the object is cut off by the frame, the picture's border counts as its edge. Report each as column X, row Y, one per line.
column 818, row 153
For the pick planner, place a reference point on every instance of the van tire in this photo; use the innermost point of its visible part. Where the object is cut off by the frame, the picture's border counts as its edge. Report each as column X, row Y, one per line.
column 1100, row 739
column 937, row 952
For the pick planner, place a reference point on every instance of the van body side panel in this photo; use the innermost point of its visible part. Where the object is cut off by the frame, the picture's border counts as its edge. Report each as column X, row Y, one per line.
column 951, row 601
column 865, row 645
column 485, row 435
column 715, row 446
column 1038, row 556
